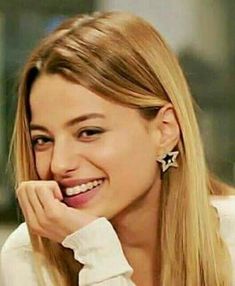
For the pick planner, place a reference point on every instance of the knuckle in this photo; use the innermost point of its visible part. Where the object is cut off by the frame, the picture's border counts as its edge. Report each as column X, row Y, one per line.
column 53, row 184
column 20, row 188
column 23, row 186
column 52, row 214
column 44, row 222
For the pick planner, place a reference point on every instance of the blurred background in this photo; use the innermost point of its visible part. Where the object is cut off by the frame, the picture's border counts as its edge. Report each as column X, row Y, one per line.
column 201, row 32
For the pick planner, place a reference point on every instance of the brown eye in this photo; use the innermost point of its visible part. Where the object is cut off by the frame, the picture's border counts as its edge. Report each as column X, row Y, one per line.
column 40, row 141
column 87, row 133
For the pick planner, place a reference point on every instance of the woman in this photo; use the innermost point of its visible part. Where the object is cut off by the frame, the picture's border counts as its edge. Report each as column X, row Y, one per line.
column 110, row 170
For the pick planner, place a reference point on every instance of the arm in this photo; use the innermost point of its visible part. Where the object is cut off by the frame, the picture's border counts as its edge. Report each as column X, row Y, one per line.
column 97, row 247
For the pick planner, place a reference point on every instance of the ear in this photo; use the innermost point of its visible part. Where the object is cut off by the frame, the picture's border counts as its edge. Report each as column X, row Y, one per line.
column 166, row 130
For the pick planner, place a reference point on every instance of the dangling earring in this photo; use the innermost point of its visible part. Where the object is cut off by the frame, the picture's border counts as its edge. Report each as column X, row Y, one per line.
column 168, row 160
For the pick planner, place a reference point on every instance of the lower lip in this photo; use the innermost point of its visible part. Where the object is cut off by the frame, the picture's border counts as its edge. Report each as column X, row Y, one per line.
column 82, row 198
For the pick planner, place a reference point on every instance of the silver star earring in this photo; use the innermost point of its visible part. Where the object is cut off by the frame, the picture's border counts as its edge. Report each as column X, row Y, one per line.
column 168, row 160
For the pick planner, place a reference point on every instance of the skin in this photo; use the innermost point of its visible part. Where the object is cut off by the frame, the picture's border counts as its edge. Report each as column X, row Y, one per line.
column 125, row 153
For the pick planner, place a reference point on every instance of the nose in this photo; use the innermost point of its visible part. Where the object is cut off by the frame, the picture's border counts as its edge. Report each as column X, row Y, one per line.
column 63, row 159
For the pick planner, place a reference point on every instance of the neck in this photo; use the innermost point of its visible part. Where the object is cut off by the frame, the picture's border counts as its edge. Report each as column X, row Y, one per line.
column 138, row 230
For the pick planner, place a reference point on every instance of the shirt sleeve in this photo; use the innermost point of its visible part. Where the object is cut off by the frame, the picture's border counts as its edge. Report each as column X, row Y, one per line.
column 226, row 209
column 16, row 259
column 15, row 270
column 98, row 248
column 17, row 265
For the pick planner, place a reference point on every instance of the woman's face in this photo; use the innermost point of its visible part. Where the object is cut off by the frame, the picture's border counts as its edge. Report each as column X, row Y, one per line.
column 70, row 146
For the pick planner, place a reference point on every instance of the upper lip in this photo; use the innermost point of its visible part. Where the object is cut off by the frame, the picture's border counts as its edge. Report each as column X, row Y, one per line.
column 70, row 183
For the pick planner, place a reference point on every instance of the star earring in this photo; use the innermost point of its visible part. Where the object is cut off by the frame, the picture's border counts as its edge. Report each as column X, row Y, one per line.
column 168, row 160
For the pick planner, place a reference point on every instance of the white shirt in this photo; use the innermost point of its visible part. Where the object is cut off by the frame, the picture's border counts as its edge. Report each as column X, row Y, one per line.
column 97, row 247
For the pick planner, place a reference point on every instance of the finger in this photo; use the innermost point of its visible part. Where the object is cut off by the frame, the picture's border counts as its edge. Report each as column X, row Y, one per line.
column 21, row 205
column 56, row 190
column 50, row 203
column 35, row 203
column 23, row 200
column 29, row 214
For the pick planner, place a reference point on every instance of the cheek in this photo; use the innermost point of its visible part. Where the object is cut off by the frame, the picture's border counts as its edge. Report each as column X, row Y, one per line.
column 136, row 171
column 42, row 162
column 129, row 164
column 131, row 169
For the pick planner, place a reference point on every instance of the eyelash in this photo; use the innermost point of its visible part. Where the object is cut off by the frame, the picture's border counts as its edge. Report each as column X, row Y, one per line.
column 36, row 138
column 93, row 130
column 47, row 139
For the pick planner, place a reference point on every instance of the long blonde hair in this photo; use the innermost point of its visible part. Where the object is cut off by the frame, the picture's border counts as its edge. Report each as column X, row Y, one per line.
column 123, row 58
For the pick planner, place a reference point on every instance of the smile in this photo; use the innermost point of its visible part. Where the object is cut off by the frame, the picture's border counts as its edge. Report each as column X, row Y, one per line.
column 83, row 188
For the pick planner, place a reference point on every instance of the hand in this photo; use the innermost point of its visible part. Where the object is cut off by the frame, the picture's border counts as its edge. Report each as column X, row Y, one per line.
column 44, row 212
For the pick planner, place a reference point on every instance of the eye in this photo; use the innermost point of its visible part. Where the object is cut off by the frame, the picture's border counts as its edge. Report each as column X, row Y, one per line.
column 90, row 132
column 40, row 141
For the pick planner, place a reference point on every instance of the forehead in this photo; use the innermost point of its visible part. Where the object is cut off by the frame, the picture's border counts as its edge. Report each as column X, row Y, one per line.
column 53, row 90
column 54, row 97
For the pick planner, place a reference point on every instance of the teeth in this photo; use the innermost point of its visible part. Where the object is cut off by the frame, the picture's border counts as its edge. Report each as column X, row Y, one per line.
column 69, row 191
column 90, row 186
column 95, row 183
column 82, row 188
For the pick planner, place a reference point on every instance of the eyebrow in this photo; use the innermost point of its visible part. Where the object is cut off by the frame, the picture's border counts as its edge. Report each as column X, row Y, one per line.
column 71, row 122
